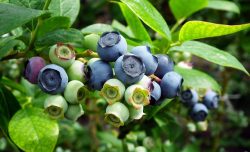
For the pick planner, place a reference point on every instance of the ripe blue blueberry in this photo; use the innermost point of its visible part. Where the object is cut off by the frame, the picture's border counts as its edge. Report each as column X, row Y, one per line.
column 199, row 112
column 129, row 69
column 155, row 94
column 165, row 64
column 52, row 79
column 97, row 73
column 171, row 84
column 211, row 99
column 150, row 61
column 189, row 97
column 32, row 69
column 111, row 46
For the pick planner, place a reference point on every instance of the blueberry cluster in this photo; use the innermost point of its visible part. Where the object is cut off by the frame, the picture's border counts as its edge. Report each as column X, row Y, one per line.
column 128, row 81
column 199, row 110
column 62, row 80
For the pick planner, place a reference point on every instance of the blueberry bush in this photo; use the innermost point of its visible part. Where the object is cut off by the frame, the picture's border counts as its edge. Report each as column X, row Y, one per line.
column 124, row 75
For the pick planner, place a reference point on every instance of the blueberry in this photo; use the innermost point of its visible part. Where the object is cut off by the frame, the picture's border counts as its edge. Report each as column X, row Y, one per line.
column 90, row 41
column 62, row 54
column 199, row 112
column 165, row 64
column 76, row 71
column 52, row 79
column 32, row 69
column 111, row 46
column 171, row 84
column 97, row 73
column 129, row 69
column 150, row 61
column 211, row 99
column 155, row 94
column 189, row 97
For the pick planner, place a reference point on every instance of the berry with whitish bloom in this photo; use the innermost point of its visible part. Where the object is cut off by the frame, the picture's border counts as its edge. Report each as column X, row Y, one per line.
column 113, row 90
column 52, row 79
column 116, row 114
column 171, row 84
column 129, row 69
column 189, row 97
column 76, row 71
column 211, row 99
column 74, row 112
column 155, row 93
column 199, row 112
column 62, row 54
column 137, row 96
column 90, row 41
column 111, row 46
column 55, row 106
column 97, row 73
column 75, row 92
column 32, row 69
column 136, row 114
column 149, row 60
column 165, row 65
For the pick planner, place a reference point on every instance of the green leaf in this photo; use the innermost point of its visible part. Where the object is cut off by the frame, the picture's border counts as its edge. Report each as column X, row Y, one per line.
column 197, row 80
column 149, row 15
column 62, row 35
column 35, row 4
column 68, row 8
column 184, row 8
column 14, row 85
column 134, row 23
column 122, row 29
column 52, row 24
column 109, row 137
column 223, row 5
column 12, row 16
column 32, row 130
column 199, row 29
column 97, row 28
column 211, row 54
column 9, row 46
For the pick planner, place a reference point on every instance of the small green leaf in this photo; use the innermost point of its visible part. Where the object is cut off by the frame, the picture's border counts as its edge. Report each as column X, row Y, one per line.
column 9, row 46
column 97, row 28
column 12, row 16
column 68, row 8
column 199, row 29
column 184, row 8
column 14, row 85
column 35, row 4
column 211, row 54
column 32, row 130
column 197, row 80
column 62, row 35
column 52, row 24
column 149, row 15
column 134, row 23
column 122, row 29
column 223, row 5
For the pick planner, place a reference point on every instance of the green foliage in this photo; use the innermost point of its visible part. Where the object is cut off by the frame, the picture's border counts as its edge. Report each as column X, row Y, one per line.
column 35, row 4
column 97, row 28
column 223, row 5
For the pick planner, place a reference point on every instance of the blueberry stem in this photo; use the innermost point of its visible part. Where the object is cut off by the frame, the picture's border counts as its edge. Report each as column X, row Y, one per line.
column 177, row 24
column 155, row 78
column 87, row 53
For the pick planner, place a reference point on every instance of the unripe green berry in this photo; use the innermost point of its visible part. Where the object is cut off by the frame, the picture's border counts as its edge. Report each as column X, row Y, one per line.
column 75, row 92
column 140, row 149
column 76, row 71
column 116, row 114
column 148, row 142
column 137, row 96
column 90, row 41
column 113, row 90
column 61, row 54
column 55, row 106
column 136, row 114
column 74, row 112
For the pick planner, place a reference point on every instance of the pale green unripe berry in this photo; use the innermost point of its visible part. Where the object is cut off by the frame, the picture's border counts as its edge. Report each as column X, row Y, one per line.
column 113, row 90
column 137, row 96
column 74, row 112
column 76, row 71
column 136, row 114
column 55, row 106
column 148, row 142
column 140, row 149
column 202, row 126
column 90, row 41
column 191, row 127
column 75, row 92
column 116, row 114
column 61, row 54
